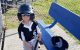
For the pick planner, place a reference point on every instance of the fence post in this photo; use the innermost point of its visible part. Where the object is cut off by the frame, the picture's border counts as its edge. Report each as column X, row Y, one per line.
column 2, row 32
column 1, row 18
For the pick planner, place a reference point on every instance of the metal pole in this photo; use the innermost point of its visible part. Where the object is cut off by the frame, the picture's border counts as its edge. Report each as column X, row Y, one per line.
column 1, row 17
column 1, row 28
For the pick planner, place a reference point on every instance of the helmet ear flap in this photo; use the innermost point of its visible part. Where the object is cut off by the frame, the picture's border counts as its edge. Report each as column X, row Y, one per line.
column 32, row 16
column 19, row 16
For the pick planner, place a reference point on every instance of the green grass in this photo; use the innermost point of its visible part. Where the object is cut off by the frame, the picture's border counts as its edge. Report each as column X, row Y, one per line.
column 72, row 5
column 11, row 18
column 11, row 12
column 42, row 7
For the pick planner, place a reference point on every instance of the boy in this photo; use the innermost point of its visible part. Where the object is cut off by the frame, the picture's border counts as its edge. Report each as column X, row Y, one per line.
column 28, row 29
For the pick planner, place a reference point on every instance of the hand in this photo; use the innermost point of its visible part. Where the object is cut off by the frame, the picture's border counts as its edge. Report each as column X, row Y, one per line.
column 4, row 28
column 27, row 44
column 39, row 36
column 30, row 46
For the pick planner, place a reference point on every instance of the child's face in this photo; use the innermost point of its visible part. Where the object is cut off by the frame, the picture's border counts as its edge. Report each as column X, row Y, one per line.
column 26, row 18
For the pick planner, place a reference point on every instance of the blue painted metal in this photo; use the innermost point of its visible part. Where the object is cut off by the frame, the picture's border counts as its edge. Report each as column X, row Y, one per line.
column 52, row 24
column 66, row 18
column 46, row 35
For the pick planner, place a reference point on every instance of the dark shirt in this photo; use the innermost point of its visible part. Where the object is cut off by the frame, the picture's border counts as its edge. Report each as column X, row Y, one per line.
column 27, row 34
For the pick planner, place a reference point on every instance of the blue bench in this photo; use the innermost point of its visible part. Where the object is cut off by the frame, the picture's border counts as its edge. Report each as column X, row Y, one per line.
column 46, row 35
column 66, row 18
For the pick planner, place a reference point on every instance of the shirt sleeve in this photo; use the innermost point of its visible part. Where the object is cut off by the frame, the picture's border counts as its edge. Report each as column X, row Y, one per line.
column 22, row 36
column 19, row 31
column 38, row 30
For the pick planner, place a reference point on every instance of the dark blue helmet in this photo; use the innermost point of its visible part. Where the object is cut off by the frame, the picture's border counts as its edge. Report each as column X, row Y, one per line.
column 25, row 10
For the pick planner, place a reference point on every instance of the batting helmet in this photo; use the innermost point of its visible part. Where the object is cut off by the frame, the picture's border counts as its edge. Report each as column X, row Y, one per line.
column 25, row 10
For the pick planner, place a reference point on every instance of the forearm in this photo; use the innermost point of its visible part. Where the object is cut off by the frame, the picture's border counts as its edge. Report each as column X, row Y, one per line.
column 40, row 36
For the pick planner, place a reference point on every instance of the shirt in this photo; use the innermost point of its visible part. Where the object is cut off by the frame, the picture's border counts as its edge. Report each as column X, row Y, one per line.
column 26, row 32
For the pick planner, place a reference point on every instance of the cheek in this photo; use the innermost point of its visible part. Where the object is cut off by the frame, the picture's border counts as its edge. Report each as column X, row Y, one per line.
column 23, row 18
column 27, row 18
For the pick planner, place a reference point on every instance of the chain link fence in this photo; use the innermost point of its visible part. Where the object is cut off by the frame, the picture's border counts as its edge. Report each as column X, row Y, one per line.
column 72, row 5
column 41, row 9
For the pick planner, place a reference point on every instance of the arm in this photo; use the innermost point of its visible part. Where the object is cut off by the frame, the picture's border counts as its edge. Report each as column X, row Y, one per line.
column 39, row 33
column 24, row 41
